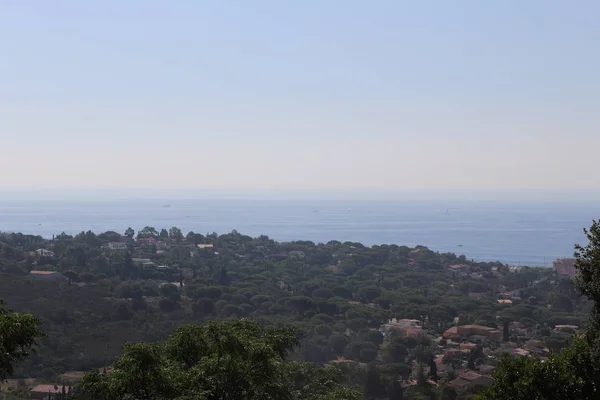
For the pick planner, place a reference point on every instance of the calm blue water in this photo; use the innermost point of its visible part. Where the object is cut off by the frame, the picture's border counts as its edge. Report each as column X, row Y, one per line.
column 520, row 234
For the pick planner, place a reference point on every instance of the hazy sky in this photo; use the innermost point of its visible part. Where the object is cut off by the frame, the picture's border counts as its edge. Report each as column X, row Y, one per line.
column 306, row 94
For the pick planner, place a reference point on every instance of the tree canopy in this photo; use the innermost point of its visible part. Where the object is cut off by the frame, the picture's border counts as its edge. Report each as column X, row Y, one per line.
column 383, row 315
column 236, row 359
column 18, row 335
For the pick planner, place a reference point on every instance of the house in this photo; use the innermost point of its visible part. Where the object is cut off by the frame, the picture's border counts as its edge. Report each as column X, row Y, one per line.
column 44, row 253
column 402, row 325
column 450, row 333
column 453, row 353
column 519, row 352
column 42, row 391
column 115, row 246
column 47, row 275
column 504, row 301
column 470, row 379
column 565, row 267
column 202, row 246
column 160, row 245
column 150, row 241
column 559, row 328
column 413, row 331
column 480, row 330
column 467, row 346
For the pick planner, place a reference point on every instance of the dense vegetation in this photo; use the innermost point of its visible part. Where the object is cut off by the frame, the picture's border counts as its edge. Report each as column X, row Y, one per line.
column 338, row 295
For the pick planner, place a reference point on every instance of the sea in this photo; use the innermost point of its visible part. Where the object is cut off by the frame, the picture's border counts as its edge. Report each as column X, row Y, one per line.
column 529, row 233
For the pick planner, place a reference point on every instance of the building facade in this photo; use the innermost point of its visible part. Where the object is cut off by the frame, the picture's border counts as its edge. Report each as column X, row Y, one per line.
column 565, row 267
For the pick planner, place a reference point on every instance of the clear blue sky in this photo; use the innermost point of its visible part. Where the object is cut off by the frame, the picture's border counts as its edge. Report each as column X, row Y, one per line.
column 361, row 95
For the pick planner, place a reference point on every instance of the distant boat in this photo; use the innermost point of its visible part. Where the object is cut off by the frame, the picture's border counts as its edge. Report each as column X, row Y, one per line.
column 460, row 245
column 447, row 211
column 166, row 206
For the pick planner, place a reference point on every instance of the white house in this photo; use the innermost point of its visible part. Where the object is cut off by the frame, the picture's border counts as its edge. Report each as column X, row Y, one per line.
column 116, row 246
column 44, row 253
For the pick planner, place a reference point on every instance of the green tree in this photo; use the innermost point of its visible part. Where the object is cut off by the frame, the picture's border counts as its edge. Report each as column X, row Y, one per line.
column 397, row 352
column 338, row 343
column 175, row 234
column 394, row 390
column 71, row 276
column 147, row 232
column 373, row 388
column 588, row 283
column 235, row 359
column 564, row 376
column 223, row 276
column 369, row 293
column 449, row 393
column 18, row 335
column 433, row 369
column 421, row 378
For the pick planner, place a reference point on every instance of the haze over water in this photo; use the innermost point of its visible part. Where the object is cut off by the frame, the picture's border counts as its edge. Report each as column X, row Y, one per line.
column 525, row 233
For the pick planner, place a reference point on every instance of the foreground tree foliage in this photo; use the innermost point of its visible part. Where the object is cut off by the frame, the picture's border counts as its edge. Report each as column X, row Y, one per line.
column 236, row 359
column 588, row 284
column 574, row 373
column 18, row 334
column 566, row 375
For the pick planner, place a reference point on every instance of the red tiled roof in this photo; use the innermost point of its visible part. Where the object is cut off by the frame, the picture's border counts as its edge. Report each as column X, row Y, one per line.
column 487, row 328
column 451, row 332
column 47, row 388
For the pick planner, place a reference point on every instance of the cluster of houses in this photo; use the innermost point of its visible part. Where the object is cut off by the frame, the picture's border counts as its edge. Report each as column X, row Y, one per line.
column 456, row 344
